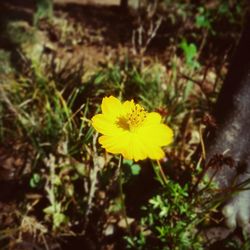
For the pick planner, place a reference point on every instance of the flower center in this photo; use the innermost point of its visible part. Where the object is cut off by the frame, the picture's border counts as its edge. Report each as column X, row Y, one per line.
column 133, row 119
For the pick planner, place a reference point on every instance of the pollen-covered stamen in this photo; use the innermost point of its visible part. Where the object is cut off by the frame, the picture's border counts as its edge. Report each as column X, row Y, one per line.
column 133, row 119
column 136, row 117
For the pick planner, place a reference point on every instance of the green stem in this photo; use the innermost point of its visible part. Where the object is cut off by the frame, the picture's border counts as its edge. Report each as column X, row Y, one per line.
column 160, row 173
column 124, row 212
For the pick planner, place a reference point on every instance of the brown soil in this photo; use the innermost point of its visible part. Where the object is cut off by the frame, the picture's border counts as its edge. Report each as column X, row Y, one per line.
column 90, row 2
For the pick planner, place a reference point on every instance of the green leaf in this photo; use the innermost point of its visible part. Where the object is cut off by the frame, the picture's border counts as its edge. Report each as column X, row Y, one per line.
column 58, row 219
column 81, row 169
column 135, row 169
column 35, row 179
column 49, row 210
column 190, row 52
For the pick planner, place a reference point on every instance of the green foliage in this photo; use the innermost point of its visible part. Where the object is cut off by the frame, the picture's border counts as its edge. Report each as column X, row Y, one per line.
column 231, row 11
column 134, row 168
column 171, row 219
column 44, row 10
column 202, row 19
column 190, row 53
column 35, row 180
column 5, row 66
column 67, row 156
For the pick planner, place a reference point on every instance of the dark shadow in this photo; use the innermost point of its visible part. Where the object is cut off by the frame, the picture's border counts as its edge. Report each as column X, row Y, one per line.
column 17, row 10
column 112, row 23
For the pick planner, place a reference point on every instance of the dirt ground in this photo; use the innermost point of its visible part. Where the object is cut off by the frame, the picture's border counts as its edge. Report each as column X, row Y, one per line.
column 89, row 2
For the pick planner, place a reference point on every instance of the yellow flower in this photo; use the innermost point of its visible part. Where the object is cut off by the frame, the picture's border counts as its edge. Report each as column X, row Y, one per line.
column 130, row 130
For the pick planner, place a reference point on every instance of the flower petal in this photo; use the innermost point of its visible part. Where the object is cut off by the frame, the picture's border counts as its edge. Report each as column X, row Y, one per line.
column 156, row 153
column 136, row 149
column 105, row 124
column 156, row 134
column 115, row 144
column 128, row 106
column 111, row 106
column 151, row 148
column 152, row 118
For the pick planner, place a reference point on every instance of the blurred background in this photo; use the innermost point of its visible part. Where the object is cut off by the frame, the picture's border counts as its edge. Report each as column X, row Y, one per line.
column 58, row 59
